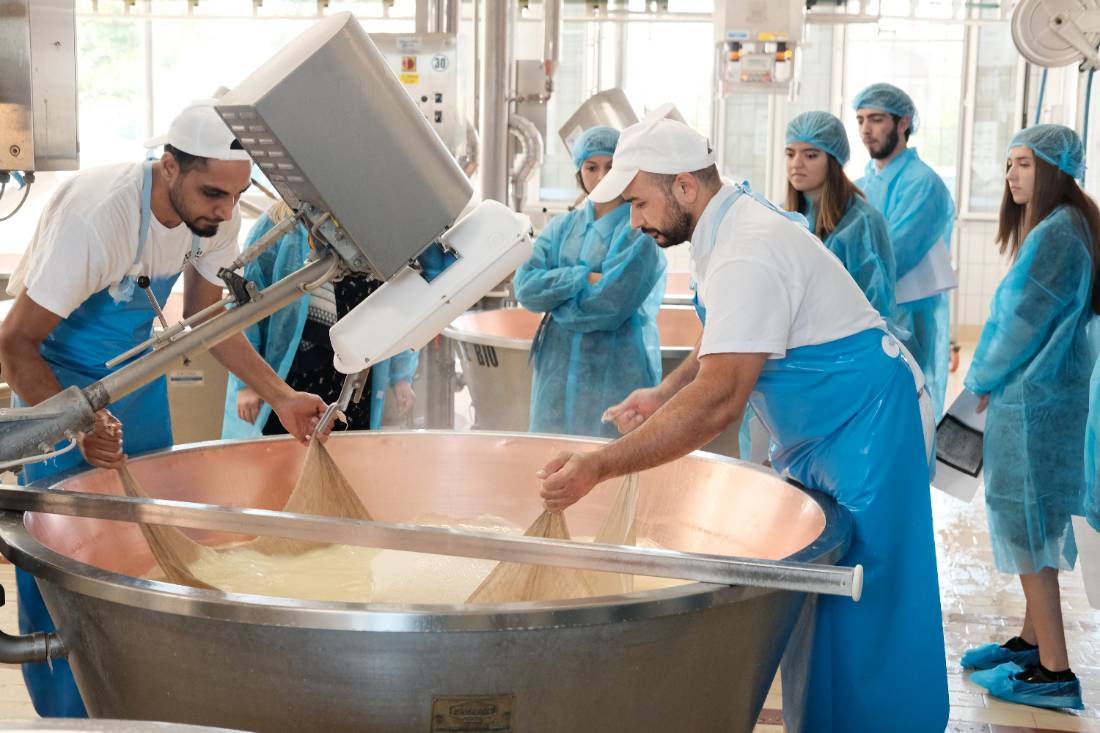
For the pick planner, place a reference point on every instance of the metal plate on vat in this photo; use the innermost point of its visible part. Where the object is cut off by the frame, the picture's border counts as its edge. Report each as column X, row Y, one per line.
column 465, row 713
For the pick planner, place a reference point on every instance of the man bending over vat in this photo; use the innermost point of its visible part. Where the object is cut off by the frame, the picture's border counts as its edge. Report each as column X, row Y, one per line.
column 789, row 330
column 107, row 234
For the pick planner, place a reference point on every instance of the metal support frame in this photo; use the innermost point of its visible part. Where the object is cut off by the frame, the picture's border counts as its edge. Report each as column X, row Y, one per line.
column 440, row 378
column 496, row 67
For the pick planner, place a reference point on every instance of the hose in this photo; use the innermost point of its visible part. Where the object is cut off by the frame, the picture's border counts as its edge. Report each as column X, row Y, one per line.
column 1039, row 102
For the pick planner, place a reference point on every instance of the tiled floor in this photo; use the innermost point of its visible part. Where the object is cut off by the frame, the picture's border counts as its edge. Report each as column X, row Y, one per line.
column 979, row 605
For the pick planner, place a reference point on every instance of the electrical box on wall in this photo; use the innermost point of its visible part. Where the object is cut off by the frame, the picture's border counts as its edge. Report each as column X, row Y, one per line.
column 756, row 41
column 426, row 65
column 38, row 130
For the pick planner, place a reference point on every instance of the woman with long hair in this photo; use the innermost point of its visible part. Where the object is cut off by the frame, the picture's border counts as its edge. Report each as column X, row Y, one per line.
column 600, row 283
column 1032, row 369
column 837, row 211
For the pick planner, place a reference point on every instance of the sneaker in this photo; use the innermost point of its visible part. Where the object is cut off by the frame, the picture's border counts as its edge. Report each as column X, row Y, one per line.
column 988, row 656
column 1028, row 686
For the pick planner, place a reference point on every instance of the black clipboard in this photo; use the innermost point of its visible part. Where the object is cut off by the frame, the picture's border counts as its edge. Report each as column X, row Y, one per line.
column 960, row 446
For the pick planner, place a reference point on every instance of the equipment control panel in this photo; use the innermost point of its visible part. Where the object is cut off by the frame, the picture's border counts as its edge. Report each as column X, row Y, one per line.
column 425, row 64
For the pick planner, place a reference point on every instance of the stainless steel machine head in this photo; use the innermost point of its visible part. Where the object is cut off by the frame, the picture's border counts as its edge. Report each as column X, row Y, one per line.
column 333, row 129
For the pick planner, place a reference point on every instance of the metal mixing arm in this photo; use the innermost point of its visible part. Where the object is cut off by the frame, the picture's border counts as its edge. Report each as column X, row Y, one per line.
column 352, row 391
column 30, row 431
column 26, row 432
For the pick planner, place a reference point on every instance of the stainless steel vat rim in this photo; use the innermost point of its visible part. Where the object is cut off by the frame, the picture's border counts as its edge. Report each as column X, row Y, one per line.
column 101, row 725
column 484, row 339
column 503, row 342
column 24, row 551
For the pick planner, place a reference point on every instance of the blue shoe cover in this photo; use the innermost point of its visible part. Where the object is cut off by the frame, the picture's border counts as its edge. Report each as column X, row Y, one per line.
column 1001, row 682
column 988, row 656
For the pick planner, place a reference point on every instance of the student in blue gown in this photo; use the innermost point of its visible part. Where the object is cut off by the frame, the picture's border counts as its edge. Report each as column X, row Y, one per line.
column 920, row 216
column 1032, row 368
column 837, row 211
column 600, row 283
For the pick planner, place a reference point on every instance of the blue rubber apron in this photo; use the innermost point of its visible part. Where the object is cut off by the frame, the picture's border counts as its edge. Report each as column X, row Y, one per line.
column 845, row 419
column 108, row 323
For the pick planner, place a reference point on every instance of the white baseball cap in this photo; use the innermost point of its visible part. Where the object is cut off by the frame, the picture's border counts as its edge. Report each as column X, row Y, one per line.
column 654, row 145
column 198, row 130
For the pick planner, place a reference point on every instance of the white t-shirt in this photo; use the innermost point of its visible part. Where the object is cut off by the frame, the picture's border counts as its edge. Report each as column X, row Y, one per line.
column 769, row 285
column 87, row 238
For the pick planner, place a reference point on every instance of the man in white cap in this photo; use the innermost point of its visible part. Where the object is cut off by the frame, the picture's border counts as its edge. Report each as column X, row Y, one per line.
column 107, row 234
column 788, row 329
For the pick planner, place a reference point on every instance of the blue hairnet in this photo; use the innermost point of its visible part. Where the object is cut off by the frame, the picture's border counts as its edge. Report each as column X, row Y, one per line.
column 888, row 98
column 823, row 131
column 1056, row 144
column 595, row 141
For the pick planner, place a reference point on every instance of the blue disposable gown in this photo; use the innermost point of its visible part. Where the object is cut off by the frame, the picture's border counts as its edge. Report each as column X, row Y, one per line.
column 1092, row 453
column 1034, row 361
column 861, row 242
column 600, row 341
column 919, row 212
column 276, row 338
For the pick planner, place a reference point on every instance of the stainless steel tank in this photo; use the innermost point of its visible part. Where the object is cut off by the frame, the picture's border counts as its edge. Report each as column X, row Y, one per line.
column 693, row 657
column 494, row 349
column 678, row 288
column 102, row 726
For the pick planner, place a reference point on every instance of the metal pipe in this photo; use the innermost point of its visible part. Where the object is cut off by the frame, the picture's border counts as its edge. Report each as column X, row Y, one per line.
column 147, row 38
column 208, row 334
column 551, row 39
column 440, row 377
column 451, row 16
column 477, row 66
column 531, row 151
column 250, row 208
column 170, row 333
column 423, row 13
column 437, row 15
column 496, row 66
column 774, row 574
column 269, row 238
column 468, row 161
column 36, row 647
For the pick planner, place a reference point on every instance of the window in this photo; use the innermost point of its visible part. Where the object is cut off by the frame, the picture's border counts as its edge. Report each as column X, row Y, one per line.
column 995, row 116
column 111, row 94
column 924, row 59
column 815, row 70
column 572, row 85
column 745, row 152
column 1092, row 144
column 672, row 62
column 193, row 52
column 650, row 79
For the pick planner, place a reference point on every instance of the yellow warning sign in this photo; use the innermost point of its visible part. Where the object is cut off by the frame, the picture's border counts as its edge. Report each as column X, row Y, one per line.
column 410, row 78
